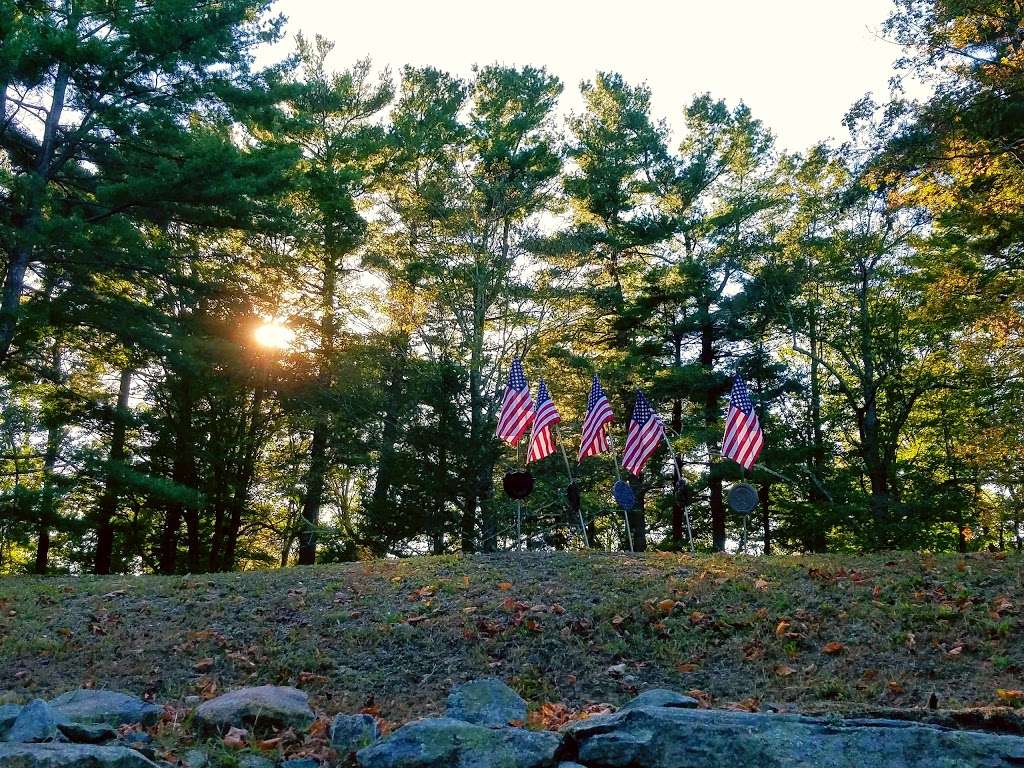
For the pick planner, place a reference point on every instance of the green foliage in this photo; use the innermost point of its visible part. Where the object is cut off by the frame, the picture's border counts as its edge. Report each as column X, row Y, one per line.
column 162, row 199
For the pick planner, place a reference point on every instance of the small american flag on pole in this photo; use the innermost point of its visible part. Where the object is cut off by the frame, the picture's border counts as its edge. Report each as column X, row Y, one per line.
column 542, row 443
column 645, row 434
column 599, row 415
column 743, row 435
column 516, row 407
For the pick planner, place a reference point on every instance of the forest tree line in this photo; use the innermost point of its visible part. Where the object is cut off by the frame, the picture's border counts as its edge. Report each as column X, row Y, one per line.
column 164, row 197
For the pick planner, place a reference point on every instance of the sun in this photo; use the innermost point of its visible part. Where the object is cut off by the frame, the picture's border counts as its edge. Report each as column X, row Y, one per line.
column 274, row 335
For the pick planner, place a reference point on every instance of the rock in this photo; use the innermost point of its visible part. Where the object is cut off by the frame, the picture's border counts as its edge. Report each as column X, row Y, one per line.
column 262, row 709
column 486, row 702
column 70, row 756
column 254, row 761
column 300, row 762
column 88, row 733
column 566, row 764
column 444, row 742
column 196, row 758
column 669, row 737
column 35, row 722
column 8, row 714
column 662, row 697
column 110, row 707
column 350, row 733
column 137, row 738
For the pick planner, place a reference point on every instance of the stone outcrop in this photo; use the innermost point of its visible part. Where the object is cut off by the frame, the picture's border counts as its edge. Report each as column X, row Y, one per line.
column 99, row 706
column 669, row 737
column 487, row 702
column 448, row 743
column 70, row 756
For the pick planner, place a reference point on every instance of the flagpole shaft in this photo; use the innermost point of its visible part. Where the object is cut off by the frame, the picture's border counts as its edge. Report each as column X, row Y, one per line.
column 568, row 471
column 519, row 525
column 686, row 510
column 565, row 457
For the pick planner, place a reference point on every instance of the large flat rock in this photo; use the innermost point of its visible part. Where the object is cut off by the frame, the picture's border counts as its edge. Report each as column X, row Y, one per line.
column 660, row 737
column 70, row 756
column 444, row 742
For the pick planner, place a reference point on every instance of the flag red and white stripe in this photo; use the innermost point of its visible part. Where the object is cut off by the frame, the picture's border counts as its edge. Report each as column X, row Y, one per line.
column 516, row 412
column 599, row 414
column 545, row 416
column 645, row 434
column 743, row 436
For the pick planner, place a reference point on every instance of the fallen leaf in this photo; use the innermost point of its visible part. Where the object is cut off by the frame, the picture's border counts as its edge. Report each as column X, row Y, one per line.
column 235, row 738
column 781, row 628
column 1009, row 694
column 505, row 586
column 762, row 585
column 203, row 665
column 833, row 647
column 686, row 666
column 667, row 605
column 894, row 687
column 784, row 670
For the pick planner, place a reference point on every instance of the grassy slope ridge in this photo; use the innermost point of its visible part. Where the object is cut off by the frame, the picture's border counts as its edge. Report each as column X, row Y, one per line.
column 403, row 632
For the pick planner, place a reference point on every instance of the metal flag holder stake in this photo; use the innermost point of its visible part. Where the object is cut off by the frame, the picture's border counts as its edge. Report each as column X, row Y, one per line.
column 686, row 511
column 623, row 494
column 743, row 500
column 569, row 490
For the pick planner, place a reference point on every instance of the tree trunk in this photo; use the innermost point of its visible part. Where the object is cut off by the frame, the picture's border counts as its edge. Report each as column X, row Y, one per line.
column 389, row 430
column 21, row 254
column 183, row 474
column 318, row 459
column 112, row 491
column 47, row 505
column 314, row 493
column 763, row 501
column 711, row 414
column 243, row 481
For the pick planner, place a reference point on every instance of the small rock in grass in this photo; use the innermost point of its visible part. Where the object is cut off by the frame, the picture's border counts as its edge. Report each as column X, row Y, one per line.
column 70, row 756
column 99, row 706
column 350, row 733
column 262, row 709
column 34, row 723
column 486, row 702
column 88, row 733
column 662, row 697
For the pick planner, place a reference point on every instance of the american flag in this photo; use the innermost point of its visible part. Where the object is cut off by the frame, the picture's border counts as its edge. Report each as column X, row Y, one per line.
column 645, row 433
column 743, row 435
column 599, row 414
column 542, row 443
column 516, row 407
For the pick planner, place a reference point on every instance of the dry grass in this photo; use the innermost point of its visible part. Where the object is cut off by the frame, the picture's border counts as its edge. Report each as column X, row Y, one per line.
column 740, row 631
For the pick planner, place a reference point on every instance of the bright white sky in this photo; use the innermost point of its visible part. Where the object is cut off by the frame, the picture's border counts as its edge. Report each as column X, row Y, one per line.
column 798, row 64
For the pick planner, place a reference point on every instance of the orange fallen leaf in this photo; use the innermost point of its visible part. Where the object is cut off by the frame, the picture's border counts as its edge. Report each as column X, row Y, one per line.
column 781, row 628
column 686, row 666
column 203, row 665
column 894, row 687
column 505, row 586
column 667, row 605
column 784, row 670
column 762, row 585
column 1009, row 694
column 833, row 647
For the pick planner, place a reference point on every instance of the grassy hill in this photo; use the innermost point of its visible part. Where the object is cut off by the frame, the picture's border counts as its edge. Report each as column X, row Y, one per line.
column 811, row 633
